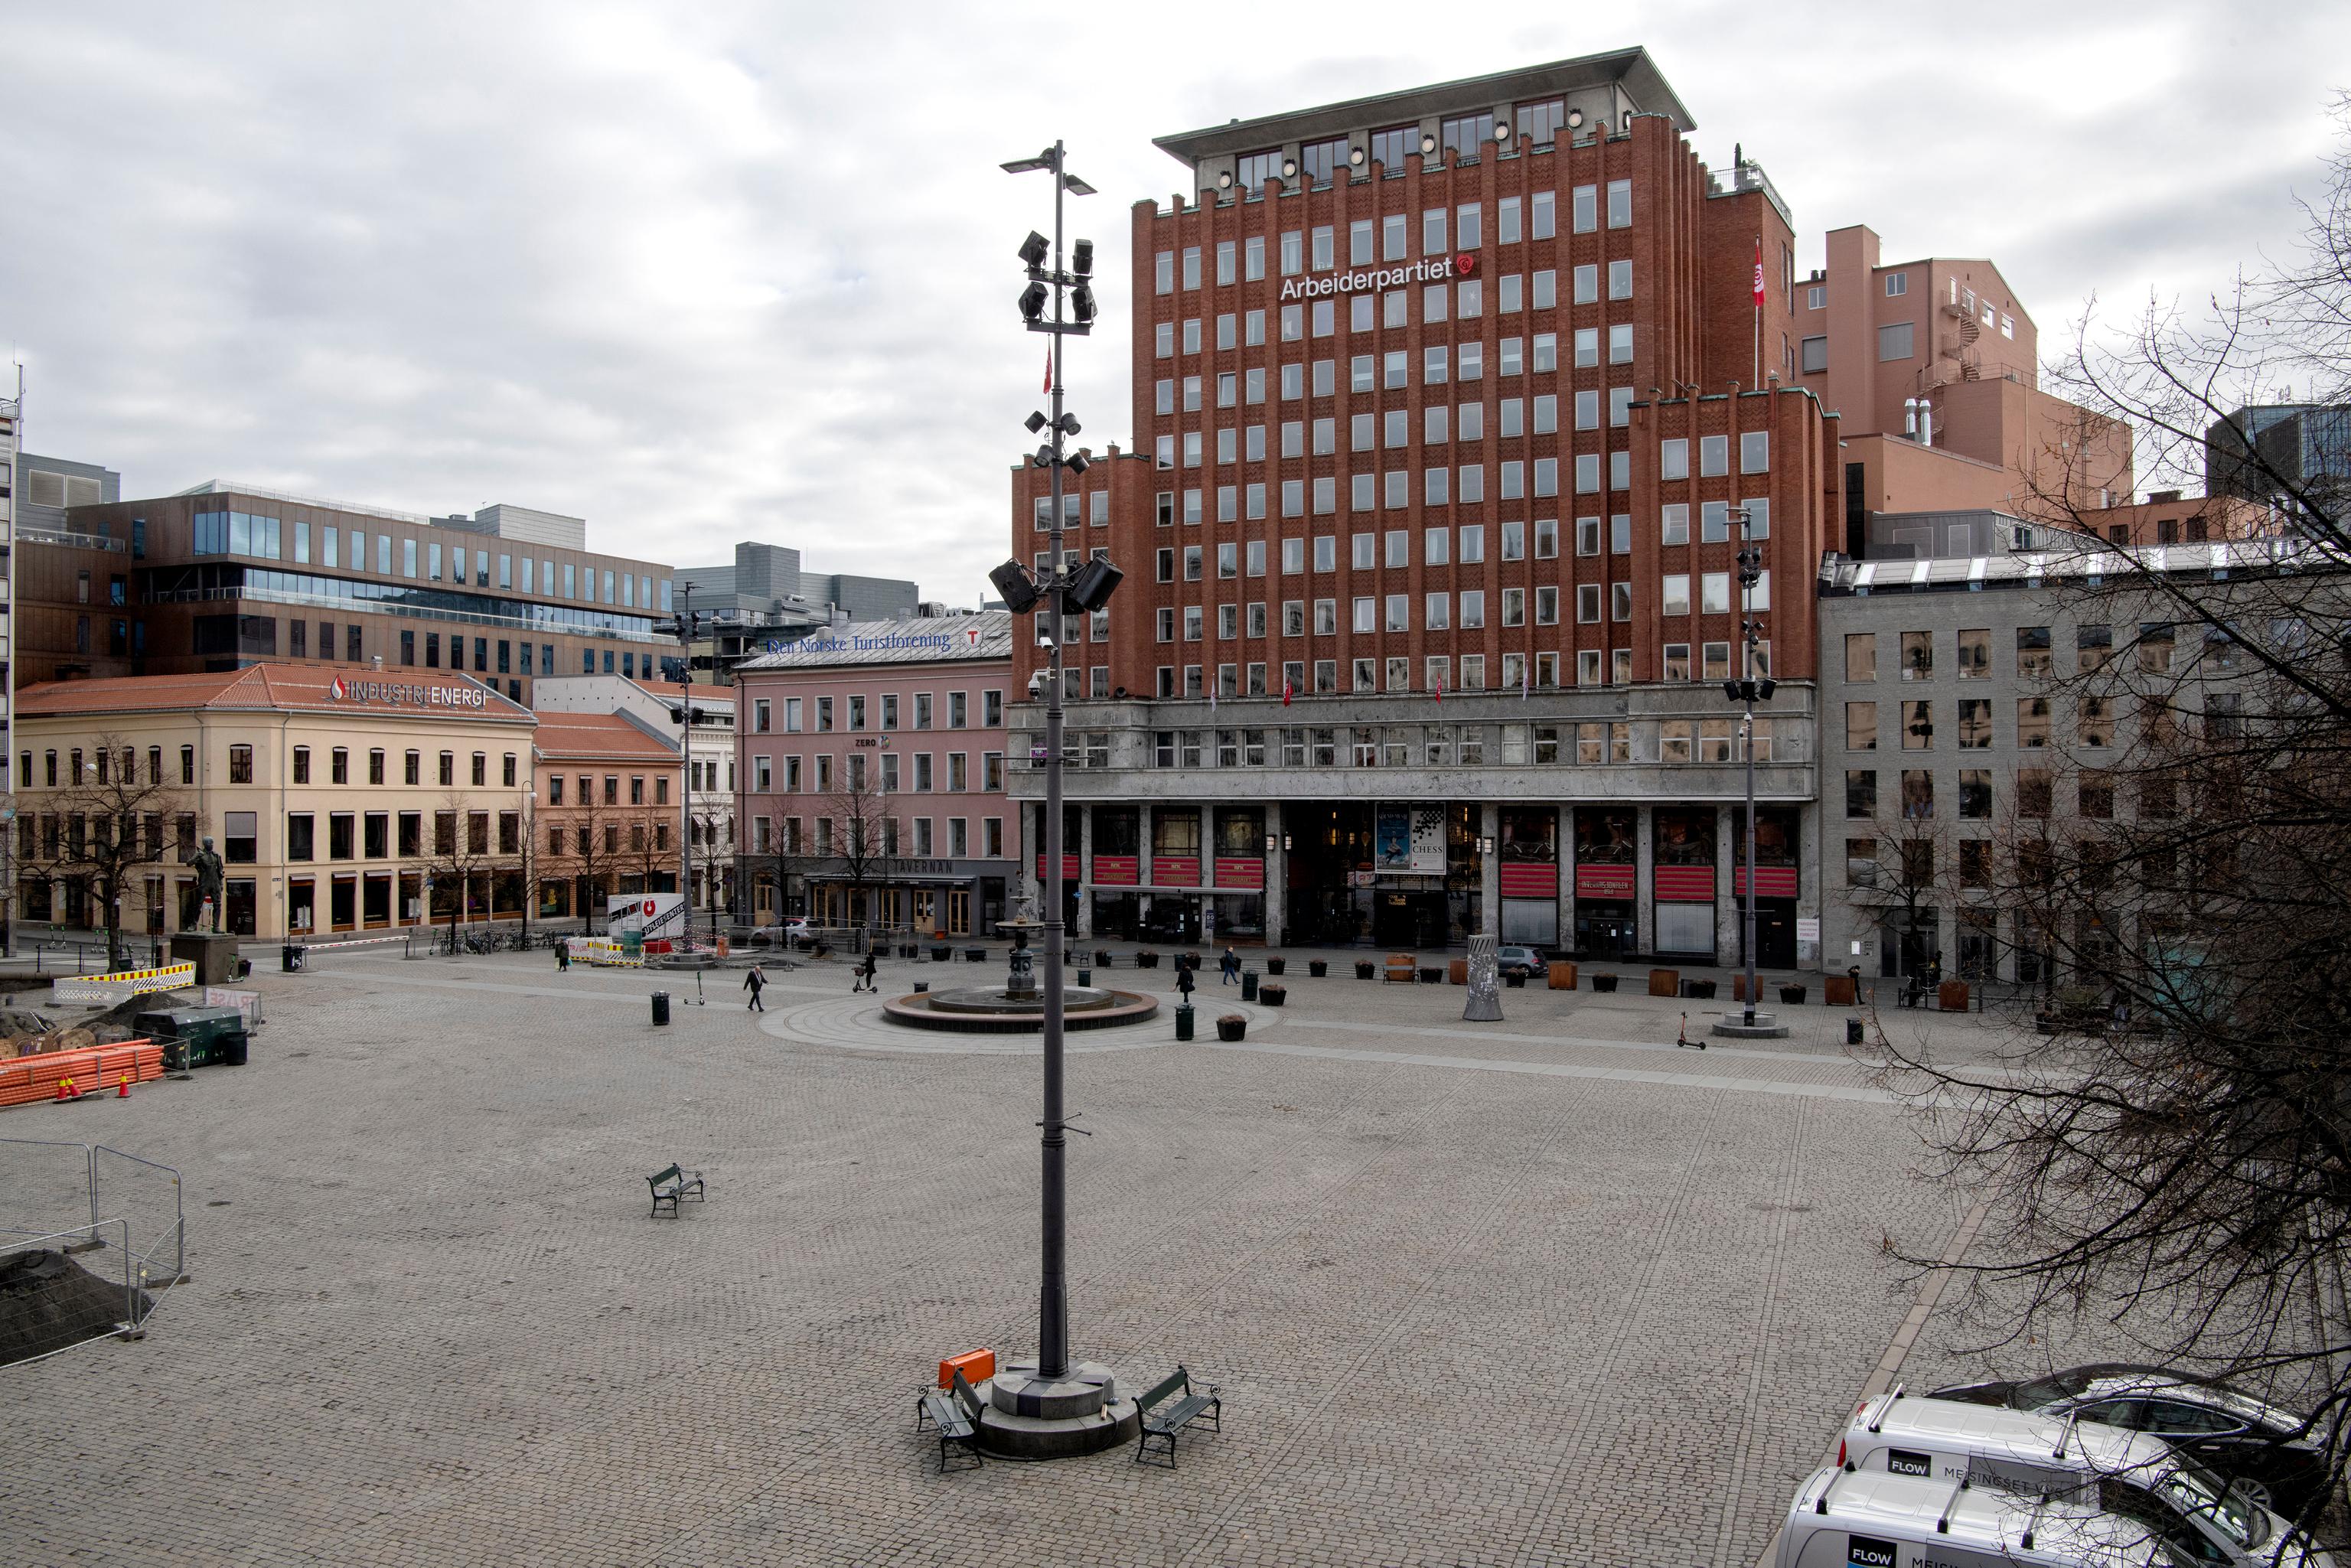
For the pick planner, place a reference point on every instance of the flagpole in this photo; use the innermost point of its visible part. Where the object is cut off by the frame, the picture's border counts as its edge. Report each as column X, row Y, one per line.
column 1758, row 382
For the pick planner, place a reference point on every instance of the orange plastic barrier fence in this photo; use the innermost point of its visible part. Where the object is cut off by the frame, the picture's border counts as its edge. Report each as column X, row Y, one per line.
column 100, row 1070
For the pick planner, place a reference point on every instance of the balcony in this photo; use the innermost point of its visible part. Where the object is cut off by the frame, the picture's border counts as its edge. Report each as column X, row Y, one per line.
column 1749, row 176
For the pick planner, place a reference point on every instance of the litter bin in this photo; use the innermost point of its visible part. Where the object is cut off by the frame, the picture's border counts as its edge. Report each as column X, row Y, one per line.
column 1085, row 978
column 661, row 1008
column 1249, row 985
column 244, row 969
column 1853, row 1031
column 1184, row 1021
column 233, row 1048
column 289, row 959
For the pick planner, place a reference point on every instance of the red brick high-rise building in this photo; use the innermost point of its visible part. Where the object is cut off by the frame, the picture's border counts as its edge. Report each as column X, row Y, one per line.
column 1452, row 407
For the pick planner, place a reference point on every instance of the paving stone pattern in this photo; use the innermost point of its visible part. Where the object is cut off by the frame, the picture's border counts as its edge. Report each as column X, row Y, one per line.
column 1542, row 1291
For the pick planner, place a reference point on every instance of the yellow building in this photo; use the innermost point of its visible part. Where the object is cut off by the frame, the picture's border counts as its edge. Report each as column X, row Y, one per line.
column 338, row 802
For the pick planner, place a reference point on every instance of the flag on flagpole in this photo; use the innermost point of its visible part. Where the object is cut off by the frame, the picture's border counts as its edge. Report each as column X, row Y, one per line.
column 1285, row 691
column 1759, row 272
column 1758, row 294
column 1440, row 688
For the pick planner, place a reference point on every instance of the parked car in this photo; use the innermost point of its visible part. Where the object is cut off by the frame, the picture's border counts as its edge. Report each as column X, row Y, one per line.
column 1843, row 1519
column 786, row 933
column 1524, row 962
column 2269, row 1451
column 2171, row 1494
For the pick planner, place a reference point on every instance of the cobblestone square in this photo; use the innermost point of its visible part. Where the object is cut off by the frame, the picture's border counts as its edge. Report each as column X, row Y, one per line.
column 1542, row 1291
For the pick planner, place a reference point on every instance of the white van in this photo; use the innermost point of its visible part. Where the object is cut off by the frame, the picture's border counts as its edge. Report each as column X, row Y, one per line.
column 2127, row 1474
column 1873, row 1519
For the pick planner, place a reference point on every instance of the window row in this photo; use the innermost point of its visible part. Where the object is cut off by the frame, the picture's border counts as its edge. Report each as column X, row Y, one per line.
column 890, row 772
column 1389, row 236
column 1393, row 672
column 915, row 837
column 2151, row 647
column 265, row 537
column 821, row 713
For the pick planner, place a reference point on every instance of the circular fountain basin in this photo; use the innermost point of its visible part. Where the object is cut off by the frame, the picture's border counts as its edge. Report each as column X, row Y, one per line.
column 995, row 1010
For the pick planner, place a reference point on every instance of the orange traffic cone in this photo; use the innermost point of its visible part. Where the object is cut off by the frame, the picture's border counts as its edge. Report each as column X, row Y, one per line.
column 123, row 1090
column 66, row 1091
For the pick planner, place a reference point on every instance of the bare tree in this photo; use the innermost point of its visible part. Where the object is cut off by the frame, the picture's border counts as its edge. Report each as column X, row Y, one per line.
column 865, row 836
column 463, row 855
column 100, row 826
column 2170, row 1151
column 712, row 822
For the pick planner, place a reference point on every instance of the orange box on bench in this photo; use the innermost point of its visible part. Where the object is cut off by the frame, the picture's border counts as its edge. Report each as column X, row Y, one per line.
column 976, row 1366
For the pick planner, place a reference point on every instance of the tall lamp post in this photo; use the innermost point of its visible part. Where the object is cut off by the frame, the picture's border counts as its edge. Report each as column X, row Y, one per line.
column 1749, row 690
column 685, row 755
column 1069, row 292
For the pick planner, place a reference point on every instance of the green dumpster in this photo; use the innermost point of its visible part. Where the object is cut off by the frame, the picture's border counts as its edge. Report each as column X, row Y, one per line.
column 194, row 1037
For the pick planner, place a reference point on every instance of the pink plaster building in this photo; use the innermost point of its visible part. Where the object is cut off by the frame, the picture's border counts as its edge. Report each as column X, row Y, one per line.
column 869, row 770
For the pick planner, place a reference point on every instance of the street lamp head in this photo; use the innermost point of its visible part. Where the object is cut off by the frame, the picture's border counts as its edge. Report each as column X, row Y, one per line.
column 1076, row 186
column 1068, row 423
column 1034, row 249
column 1035, row 422
column 1076, row 464
column 1081, row 259
column 1032, row 302
column 1082, row 305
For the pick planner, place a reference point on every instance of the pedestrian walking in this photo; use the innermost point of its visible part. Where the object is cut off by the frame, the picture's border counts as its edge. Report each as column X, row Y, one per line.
column 1231, row 965
column 563, row 956
column 755, row 982
column 865, row 973
column 1184, row 980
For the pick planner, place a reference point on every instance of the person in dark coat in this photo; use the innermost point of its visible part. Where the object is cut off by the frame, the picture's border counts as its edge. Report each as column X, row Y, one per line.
column 755, row 982
column 865, row 973
column 1231, row 966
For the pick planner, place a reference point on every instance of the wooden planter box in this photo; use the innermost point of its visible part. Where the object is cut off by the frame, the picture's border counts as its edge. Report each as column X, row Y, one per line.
column 1458, row 971
column 1230, row 1029
column 1563, row 977
column 1951, row 996
column 1836, row 990
column 1664, row 982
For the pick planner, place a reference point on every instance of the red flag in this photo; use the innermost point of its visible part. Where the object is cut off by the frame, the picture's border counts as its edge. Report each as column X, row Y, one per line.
column 1758, row 294
column 1759, row 272
column 1440, row 688
column 1285, row 691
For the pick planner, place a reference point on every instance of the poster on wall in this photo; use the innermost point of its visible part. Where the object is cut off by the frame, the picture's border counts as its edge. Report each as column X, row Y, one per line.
column 1428, row 840
column 1392, row 839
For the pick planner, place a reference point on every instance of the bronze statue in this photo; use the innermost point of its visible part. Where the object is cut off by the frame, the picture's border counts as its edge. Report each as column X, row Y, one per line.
column 208, row 880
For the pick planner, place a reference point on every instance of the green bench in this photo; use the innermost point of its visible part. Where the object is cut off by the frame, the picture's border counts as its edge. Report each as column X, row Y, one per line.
column 672, row 1184
column 955, row 1412
column 1183, row 1405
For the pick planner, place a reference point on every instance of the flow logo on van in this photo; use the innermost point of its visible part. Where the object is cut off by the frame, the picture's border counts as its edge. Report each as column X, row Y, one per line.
column 1868, row 1552
column 1902, row 1462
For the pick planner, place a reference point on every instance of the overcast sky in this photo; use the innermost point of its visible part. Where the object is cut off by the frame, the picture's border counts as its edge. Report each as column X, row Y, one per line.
column 704, row 273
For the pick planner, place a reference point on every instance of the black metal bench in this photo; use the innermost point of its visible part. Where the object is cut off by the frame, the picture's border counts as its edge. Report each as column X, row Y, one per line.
column 955, row 1413
column 1160, row 1425
column 672, row 1184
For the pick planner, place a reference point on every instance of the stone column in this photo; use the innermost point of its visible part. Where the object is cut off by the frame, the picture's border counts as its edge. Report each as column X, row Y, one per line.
column 1086, row 873
column 1726, row 906
column 1142, row 860
column 1277, row 877
column 1489, row 872
column 1566, row 861
column 1644, row 897
column 1810, row 860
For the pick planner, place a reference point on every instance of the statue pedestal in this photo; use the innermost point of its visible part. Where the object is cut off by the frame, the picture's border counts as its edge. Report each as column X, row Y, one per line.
column 212, row 953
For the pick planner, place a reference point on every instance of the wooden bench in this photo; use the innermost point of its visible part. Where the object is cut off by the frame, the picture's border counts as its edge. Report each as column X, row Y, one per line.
column 671, row 1185
column 1160, row 1425
column 955, row 1412
column 1401, row 967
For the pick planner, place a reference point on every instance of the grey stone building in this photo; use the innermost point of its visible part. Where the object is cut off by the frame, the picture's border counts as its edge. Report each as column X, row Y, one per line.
column 1605, row 821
